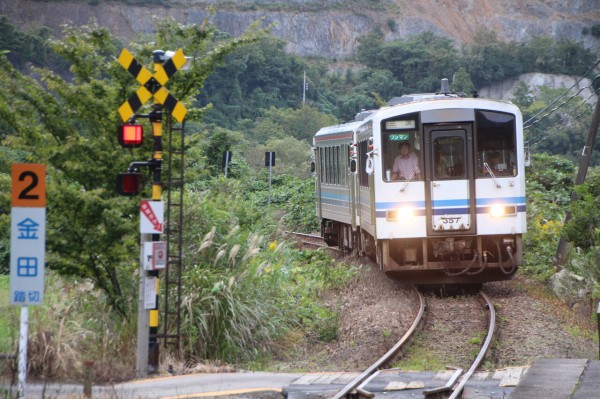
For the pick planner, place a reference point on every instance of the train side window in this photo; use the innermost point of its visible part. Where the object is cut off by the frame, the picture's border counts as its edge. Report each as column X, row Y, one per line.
column 344, row 161
column 363, row 148
column 327, row 166
column 496, row 144
column 321, row 165
column 336, row 162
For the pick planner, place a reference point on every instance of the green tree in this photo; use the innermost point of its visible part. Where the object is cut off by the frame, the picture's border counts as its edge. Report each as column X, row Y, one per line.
column 301, row 123
column 583, row 230
column 560, row 128
column 419, row 62
column 255, row 77
column 26, row 48
column 488, row 59
column 462, row 82
column 549, row 184
column 217, row 141
column 292, row 156
column 522, row 95
column 69, row 125
column 378, row 83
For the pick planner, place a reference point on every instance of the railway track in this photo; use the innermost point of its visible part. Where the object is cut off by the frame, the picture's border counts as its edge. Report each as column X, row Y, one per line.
column 357, row 384
column 311, row 241
column 455, row 385
column 459, row 379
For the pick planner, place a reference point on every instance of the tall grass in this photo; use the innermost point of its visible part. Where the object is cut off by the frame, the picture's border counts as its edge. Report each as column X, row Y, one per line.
column 7, row 317
column 244, row 288
column 73, row 325
column 242, row 296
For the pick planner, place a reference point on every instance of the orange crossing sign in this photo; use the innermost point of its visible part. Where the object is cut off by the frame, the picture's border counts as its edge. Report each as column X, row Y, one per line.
column 28, row 234
column 152, row 85
column 28, row 185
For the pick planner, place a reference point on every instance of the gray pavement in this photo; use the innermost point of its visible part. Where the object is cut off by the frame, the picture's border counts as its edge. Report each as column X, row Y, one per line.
column 550, row 378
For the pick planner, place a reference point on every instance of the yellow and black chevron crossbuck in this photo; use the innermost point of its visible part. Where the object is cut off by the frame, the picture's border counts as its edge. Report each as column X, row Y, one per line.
column 152, row 85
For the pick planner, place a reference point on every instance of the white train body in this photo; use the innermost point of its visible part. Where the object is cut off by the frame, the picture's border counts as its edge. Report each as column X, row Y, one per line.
column 460, row 214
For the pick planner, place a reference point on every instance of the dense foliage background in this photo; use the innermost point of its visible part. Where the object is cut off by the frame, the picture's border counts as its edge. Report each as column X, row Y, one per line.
column 246, row 286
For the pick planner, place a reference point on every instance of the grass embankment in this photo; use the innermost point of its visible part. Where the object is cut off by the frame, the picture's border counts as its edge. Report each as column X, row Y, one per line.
column 7, row 337
column 229, row 316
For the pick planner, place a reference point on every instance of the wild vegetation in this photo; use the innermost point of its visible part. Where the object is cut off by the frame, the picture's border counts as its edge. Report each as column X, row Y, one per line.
column 246, row 287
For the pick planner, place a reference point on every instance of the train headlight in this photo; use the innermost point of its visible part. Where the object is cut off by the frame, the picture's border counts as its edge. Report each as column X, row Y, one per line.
column 403, row 214
column 502, row 210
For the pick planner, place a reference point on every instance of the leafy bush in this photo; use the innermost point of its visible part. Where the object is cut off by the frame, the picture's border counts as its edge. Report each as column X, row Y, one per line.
column 245, row 289
column 583, row 230
column 549, row 180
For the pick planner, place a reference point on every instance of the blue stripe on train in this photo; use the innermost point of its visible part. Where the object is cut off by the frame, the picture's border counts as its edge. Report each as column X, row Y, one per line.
column 452, row 203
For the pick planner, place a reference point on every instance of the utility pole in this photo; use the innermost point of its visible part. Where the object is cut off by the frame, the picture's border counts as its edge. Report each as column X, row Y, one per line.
column 304, row 89
column 584, row 163
column 270, row 162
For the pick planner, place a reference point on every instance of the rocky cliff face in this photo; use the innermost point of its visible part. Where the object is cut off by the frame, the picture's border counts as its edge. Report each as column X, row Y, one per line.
column 504, row 90
column 330, row 28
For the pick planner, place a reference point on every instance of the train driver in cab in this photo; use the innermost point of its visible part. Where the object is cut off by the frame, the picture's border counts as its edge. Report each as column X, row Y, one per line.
column 497, row 166
column 406, row 164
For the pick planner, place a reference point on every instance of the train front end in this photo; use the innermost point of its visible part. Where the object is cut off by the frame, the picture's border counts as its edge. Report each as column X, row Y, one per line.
column 451, row 208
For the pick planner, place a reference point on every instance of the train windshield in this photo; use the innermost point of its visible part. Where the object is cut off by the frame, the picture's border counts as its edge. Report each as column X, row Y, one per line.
column 496, row 144
column 401, row 149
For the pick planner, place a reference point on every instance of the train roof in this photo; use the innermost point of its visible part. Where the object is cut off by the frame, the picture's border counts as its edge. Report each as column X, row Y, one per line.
column 407, row 98
column 341, row 128
column 364, row 116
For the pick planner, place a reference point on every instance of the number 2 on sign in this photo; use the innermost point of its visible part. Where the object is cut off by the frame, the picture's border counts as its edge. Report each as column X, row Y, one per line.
column 24, row 195
column 28, row 185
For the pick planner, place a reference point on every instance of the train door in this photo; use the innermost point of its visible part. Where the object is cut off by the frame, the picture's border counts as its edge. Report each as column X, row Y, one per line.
column 450, row 190
column 319, row 169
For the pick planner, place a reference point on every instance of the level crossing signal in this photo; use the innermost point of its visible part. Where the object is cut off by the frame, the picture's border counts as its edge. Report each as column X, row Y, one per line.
column 152, row 85
column 130, row 135
column 129, row 183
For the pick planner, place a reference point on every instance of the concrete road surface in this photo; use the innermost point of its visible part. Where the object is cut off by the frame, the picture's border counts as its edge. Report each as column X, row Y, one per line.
column 176, row 387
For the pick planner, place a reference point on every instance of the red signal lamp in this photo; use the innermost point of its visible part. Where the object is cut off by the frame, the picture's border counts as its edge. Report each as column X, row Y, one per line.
column 130, row 135
column 129, row 184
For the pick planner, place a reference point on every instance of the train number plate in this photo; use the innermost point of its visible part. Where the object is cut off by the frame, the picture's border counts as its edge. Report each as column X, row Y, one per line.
column 450, row 222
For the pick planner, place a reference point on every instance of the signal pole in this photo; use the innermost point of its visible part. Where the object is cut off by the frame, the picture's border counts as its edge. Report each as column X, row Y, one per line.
column 153, row 345
column 152, row 85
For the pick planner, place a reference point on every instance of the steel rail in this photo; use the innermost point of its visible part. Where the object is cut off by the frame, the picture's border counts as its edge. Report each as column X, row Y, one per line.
column 484, row 348
column 388, row 355
column 304, row 235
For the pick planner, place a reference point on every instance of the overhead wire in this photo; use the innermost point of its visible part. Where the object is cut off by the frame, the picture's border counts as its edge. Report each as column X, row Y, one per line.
column 562, row 95
column 565, row 116
column 565, row 120
column 561, row 104
column 556, row 126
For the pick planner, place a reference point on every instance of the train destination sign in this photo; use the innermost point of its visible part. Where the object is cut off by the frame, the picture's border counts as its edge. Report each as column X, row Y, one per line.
column 399, row 125
column 399, row 137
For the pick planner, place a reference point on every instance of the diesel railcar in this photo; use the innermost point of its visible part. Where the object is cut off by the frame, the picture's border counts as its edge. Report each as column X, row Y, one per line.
column 456, row 215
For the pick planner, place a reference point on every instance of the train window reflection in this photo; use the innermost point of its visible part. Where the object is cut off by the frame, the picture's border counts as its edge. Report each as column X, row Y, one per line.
column 449, row 157
column 496, row 148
